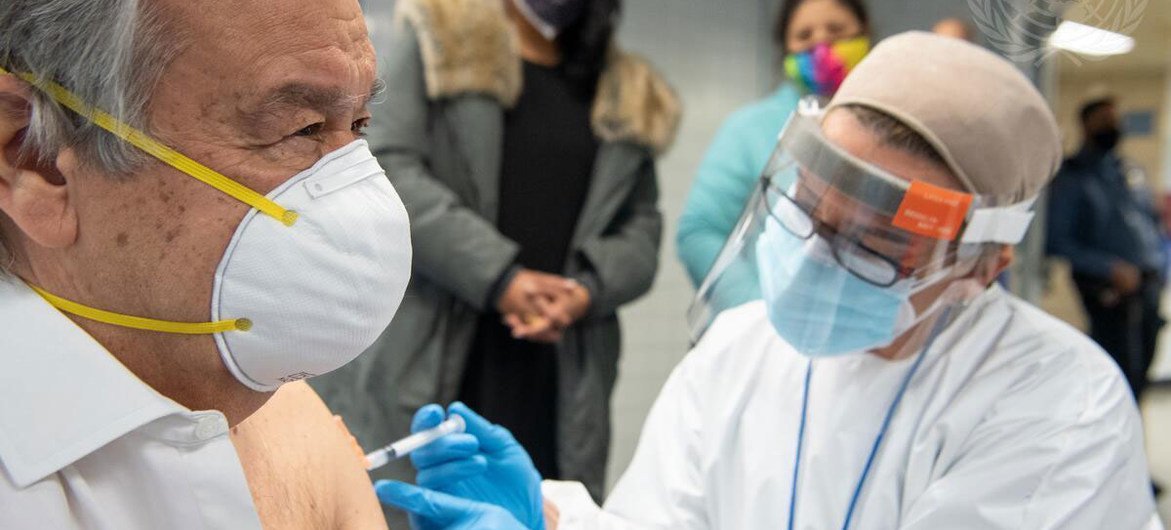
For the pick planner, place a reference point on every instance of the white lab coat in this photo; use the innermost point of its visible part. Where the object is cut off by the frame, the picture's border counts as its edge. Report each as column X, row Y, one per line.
column 1015, row 420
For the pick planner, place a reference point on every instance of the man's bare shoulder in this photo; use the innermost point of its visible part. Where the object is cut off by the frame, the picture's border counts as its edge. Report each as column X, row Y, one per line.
column 302, row 467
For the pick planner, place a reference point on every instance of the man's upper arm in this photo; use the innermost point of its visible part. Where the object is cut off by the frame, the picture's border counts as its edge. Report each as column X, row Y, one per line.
column 302, row 468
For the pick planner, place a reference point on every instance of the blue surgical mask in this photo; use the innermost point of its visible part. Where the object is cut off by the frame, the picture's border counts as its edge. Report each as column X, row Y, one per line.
column 819, row 307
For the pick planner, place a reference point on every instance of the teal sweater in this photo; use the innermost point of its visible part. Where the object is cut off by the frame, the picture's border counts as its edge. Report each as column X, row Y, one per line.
column 727, row 176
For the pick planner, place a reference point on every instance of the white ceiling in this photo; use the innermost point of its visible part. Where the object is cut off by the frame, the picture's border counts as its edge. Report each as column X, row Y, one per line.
column 1152, row 52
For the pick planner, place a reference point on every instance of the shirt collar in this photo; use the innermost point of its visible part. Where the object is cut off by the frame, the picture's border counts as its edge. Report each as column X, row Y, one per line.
column 62, row 395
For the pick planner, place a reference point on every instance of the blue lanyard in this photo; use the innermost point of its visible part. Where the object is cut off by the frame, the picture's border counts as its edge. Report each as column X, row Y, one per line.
column 890, row 412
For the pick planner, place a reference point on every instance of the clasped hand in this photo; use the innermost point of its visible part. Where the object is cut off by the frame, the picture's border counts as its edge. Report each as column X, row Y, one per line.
column 539, row 307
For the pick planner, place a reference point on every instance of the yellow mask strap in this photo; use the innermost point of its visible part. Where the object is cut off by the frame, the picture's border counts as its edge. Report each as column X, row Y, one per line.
column 149, row 324
column 156, row 149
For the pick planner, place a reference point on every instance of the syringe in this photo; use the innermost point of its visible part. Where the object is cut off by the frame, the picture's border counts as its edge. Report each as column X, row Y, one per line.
column 404, row 447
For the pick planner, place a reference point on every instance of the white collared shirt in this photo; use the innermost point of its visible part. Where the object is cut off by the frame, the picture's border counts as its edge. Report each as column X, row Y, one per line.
column 86, row 444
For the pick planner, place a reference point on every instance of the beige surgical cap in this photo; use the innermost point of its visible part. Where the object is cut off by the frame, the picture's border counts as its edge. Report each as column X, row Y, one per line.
column 993, row 128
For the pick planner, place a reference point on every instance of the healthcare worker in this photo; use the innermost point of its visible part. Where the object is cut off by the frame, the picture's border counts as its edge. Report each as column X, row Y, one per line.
column 884, row 380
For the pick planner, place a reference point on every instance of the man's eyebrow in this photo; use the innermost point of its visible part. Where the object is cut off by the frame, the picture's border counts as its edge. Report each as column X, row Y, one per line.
column 302, row 95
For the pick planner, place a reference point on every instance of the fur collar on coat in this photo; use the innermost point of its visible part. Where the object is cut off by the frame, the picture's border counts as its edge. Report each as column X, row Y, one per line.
column 467, row 46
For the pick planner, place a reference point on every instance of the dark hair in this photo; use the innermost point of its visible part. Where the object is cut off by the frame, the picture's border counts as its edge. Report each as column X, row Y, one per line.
column 894, row 133
column 585, row 43
column 1094, row 105
column 788, row 7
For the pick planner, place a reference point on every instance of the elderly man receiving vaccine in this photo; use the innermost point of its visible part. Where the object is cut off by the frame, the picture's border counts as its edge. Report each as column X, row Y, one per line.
column 190, row 220
column 884, row 380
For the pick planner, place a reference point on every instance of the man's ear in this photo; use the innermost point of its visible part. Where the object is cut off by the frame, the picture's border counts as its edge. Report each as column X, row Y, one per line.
column 33, row 192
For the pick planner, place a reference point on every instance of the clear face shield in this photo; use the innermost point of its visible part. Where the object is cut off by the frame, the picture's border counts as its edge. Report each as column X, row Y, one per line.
column 837, row 248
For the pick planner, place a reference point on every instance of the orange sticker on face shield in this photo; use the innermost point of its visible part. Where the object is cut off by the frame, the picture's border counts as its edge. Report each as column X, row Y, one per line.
column 933, row 211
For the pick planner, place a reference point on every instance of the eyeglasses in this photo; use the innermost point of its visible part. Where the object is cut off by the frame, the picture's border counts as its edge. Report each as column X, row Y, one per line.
column 862, row 261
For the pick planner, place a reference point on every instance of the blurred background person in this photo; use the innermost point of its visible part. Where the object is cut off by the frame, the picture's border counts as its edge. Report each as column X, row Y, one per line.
column 523, row 144
column 954, row 27
column 820, row 42
column 1102, row 218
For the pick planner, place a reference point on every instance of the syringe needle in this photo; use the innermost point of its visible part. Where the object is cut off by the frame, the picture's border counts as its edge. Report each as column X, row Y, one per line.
column 404, row 447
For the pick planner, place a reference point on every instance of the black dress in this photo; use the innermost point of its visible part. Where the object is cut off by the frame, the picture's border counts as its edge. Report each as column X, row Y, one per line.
column 546, row 168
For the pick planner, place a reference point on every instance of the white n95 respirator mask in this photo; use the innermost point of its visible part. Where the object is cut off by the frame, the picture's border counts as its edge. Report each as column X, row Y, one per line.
column 307, row 283
column 312, row 276
column 317, row 293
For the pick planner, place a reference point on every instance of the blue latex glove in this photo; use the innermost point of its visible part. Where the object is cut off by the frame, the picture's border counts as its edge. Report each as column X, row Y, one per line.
column 484, row 464
column 432, row 510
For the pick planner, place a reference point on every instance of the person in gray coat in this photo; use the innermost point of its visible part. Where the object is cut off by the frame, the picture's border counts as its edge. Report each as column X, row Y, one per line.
column 530, row 181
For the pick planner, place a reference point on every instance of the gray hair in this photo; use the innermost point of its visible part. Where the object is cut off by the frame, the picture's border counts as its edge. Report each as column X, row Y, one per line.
column 110, row 53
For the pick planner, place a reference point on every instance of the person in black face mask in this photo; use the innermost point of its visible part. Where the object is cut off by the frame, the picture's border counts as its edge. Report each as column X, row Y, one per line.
column 1103, row 219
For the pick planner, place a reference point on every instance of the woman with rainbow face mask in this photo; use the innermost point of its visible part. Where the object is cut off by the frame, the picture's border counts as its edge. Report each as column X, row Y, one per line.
column 821, row 41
